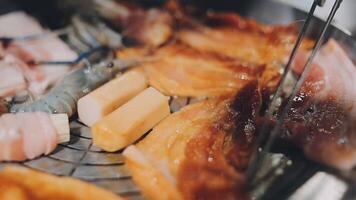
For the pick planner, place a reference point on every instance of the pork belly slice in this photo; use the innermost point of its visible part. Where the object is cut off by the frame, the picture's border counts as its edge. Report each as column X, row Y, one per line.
column 200, row 151
column 21, row 183
column 231, row 35
column 11, row 79
column 11, row 140
column 26, row 136
column 179, row 70
column 333, row 76
column 322, row 120
column 149, row 27
column 18, row 24
column 45, row 48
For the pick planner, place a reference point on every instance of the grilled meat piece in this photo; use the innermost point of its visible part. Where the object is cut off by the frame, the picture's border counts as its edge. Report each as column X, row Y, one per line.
column 179, row 70
column 233, row 36
column 200, row 151
column 19, row 183
column 322, row 120
column 148, row 27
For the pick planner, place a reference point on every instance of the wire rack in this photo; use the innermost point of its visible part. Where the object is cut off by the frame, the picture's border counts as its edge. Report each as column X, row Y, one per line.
column 79, row 158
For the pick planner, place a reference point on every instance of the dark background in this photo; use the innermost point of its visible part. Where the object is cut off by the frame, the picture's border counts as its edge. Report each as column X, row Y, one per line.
column 56, row 13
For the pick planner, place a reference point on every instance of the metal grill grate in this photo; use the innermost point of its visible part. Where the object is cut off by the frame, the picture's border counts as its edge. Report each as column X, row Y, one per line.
column 80, row 159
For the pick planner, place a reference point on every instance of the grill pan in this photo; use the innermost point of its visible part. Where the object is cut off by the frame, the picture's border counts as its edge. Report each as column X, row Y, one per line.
column 80, row 159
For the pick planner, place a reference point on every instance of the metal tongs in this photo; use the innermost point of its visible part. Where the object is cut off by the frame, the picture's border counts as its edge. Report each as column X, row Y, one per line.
column 261, row 151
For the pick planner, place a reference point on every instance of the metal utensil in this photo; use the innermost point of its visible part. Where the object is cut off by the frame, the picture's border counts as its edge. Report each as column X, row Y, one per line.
column 262, row 150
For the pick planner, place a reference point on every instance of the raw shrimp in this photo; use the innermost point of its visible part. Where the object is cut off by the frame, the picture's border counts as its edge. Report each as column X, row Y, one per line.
column 64, row 96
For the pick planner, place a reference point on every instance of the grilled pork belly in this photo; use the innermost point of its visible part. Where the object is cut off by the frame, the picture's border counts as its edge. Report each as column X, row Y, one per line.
column 19, row 183
column 200, row 151
column 149, row 27
column 322, row 120
column 179, row 70
column 233, row 36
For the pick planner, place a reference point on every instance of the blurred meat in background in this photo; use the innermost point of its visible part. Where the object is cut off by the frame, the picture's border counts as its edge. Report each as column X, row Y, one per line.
column 52, row 10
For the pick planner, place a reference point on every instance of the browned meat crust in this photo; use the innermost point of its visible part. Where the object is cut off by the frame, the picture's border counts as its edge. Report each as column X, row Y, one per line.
column 18, row 183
